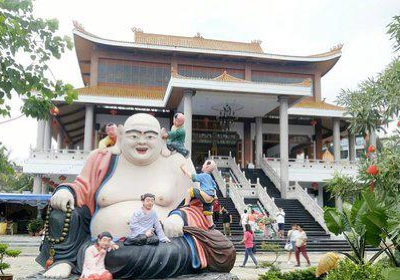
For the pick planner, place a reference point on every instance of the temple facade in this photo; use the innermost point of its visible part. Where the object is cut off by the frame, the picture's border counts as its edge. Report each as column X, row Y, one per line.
column 239, row 101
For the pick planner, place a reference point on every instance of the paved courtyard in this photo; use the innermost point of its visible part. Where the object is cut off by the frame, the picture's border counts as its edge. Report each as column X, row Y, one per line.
column 25, row 264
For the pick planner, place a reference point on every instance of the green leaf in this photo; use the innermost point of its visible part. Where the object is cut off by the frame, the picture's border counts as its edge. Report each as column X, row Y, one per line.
column 334, row 221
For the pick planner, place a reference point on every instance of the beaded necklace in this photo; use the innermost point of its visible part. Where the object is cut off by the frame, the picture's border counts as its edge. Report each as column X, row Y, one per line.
column 56, row 240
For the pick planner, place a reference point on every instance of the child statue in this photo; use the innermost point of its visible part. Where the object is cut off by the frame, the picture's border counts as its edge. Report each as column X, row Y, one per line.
column 144, row 223
column 111, row 138
column 207, row 190
column 93, row 265
column 176, row 137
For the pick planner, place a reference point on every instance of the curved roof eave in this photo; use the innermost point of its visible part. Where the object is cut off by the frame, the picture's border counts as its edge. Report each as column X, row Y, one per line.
column 325, row 57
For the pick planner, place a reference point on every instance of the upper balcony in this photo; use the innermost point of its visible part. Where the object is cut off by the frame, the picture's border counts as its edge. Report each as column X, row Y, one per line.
column 310, row 170
column 66, row 162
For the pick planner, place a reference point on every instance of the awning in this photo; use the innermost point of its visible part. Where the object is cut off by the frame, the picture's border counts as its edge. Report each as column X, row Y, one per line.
column 36, row 200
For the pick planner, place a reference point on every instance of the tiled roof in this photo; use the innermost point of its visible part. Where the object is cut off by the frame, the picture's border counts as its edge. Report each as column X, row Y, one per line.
column 153, row 93
column 197, row 42
column 312, row 104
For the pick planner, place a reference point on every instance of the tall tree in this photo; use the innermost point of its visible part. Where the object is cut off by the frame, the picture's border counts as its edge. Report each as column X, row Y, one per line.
column 23, row 37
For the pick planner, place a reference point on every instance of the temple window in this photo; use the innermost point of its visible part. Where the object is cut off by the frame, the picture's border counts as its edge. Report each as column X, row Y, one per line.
column 281, row 78
column 134, row 73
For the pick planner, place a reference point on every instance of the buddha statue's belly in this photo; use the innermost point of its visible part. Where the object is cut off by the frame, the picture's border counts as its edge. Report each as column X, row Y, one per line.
column 115, row 218
column 120, row 195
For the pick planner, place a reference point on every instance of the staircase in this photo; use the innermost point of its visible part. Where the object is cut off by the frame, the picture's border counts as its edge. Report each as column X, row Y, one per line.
column 319, row 240
column 236, row 227
column 295, row 212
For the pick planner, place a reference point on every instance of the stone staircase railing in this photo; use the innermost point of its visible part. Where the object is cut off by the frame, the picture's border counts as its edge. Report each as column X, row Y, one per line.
column 270, row 172
column 266, row 200
column 220, row 181
column 297, row 192
column 237, row 199
column 240, row 185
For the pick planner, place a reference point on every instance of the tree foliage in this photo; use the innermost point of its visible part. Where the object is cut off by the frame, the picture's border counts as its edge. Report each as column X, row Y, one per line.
column 27, row 44
column 376, row 101
column 374, row 215
column 10, row 179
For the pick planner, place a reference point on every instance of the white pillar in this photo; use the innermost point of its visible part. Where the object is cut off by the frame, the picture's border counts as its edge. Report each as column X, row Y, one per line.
column 60, row 140
column 37, row 185
column 352, row 147
column 40, row 134
column 336, row 138
column 284, row 144
column 259, row 141
column 47, row 135
column 320, row 197
column 88, row 136
column 45, row 188
column 187, row 111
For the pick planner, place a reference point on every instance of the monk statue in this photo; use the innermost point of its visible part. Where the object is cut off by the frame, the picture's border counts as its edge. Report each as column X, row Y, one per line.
column 104, row 197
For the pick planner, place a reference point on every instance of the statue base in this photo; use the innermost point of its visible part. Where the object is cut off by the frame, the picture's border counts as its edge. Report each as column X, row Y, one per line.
column 200, row 276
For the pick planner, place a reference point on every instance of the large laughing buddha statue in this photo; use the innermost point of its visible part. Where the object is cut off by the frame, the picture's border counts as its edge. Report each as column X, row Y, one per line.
column 107, row 192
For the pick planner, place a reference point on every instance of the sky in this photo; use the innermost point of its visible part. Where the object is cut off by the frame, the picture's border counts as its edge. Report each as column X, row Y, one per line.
column 285, row 27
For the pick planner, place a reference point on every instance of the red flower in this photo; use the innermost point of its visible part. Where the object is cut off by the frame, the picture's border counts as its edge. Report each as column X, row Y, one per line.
column 398, row 123
column 372, row 170
column 371, row 149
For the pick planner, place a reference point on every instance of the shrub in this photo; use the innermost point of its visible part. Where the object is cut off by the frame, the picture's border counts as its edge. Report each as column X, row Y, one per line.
column 348, row 270
column 306, row 274
column 4, row 251
column 35, row 225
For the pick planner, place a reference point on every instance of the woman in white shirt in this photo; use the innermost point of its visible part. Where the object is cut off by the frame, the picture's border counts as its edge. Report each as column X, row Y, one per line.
column 301, row 243
column 292, row 236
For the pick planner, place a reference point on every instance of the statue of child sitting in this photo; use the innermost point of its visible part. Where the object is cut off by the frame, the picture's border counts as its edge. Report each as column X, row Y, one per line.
column 93, row 265
column 176, row 137
column 145, row 226
column 111, row 138
column 207, row 190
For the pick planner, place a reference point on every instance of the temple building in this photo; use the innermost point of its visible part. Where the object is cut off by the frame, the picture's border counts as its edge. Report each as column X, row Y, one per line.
column 240, row 102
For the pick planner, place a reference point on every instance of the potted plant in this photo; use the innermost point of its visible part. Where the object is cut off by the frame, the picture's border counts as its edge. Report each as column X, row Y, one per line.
column 35, row 226
column 4, row 251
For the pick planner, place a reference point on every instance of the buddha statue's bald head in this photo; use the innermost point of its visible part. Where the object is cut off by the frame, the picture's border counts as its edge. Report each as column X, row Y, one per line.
column 141, row 141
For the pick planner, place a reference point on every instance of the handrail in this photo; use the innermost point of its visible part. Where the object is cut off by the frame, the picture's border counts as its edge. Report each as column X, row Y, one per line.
column 266, row 200
column 342, row 162
column 271, row 173
column 220, row 181
column 297, row 192
column 238, row 174
column 237, row 199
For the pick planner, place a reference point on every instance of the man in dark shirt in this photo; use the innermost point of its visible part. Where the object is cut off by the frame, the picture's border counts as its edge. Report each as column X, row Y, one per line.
column 226, row 221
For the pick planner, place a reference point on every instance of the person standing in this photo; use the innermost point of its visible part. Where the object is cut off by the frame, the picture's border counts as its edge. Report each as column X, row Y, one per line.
column 248, row 238
column 301, row 243
column 244, row 219
column 216, row 209
column 252, row 220
column 280, row 219
column 292, row 236
column 226, row 222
